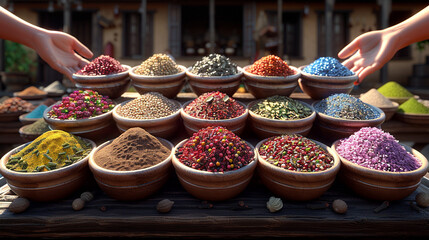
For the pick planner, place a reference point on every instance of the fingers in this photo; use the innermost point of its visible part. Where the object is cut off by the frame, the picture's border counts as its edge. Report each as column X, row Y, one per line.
column 82, row 49
column 349, row 49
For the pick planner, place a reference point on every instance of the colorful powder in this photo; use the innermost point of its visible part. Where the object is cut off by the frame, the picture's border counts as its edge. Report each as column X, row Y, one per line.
column 394, row 89
column 413, row 106
column 328, row 66
column 270, row 66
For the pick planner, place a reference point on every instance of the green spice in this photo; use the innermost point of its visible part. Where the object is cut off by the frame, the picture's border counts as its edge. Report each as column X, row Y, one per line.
column 394, row 89
column 281, row 108
column 413, row 106
column 158, row 65
column 38, row 127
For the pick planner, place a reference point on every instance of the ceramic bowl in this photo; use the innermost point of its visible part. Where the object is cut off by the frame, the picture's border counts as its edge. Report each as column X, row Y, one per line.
column 157, row 80
column 293, row 185
column 250, row 77
column 135, row 184
column 164, row 127
column 390, row 111
column 213, row 186
column 413, row 118
column 193, row 124
column 24, row 120
column 84, row 79
column 264, row 90
column 111, row 89
column 381, row 185
column 46, row 186
column 168, row 90
column 336, row 128
column 266, row 127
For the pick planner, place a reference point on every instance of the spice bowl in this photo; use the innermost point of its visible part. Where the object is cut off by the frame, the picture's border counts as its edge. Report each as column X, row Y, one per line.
column 293, row 185
column 99, row 79
column 164, row 127
column 193, row 124
column 135, row 184
column 212, row 186
column 381, row 185
column 225, row 84
column 28, row 137
column 24, row 120
column 111, row 89
column 390, row 111
column 46, row 186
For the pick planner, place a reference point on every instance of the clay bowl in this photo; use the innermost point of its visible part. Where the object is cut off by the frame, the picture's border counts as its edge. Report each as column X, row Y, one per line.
column 381, row 185
column 225, row 84
column 413, row 118
column 84, row 79
column 157, row 80
column 135, row 184
column 169, row 89
column 213, row 186
column 193, row 124
column 336, row 128
column 264, row 90
column 46, row 186
column 293, row 185
column 164, row 127
column 111, row 89
column 250, row 77
column 390, row 111
column 266, row 127
column 24, row 120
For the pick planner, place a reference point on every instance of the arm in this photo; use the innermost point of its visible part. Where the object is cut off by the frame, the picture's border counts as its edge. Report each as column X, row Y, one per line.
column 60, row 50
column 371, row 50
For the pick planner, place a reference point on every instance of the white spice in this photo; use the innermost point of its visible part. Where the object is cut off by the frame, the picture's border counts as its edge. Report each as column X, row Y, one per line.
column 375, row 98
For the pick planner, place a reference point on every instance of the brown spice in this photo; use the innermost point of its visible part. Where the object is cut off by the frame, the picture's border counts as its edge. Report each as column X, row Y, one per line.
column 32, row 90
column 133, row 150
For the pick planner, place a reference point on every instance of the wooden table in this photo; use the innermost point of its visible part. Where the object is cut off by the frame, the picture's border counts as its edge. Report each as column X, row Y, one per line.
column 192, row 218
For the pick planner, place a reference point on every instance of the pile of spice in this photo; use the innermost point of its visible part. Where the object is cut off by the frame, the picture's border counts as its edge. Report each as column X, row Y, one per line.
column 52, row 150
column 296, row 153
column 81, row 104
column 327, row 66
column 394, row 89
column 215, row 149
column 281, row 108
column 347, row 107
column 133, row 150
column 151, row 105
column 37, row 128
column 102, row 65
column 270, row 65
column 15, row 104
column 214, row 65
column 2, row 99
column 158, row 65
column 214, row 106
column 55, row 87
column 373, row 148
column 37, row 112
column 413, row 106
column 31, row 91
column 375, row 98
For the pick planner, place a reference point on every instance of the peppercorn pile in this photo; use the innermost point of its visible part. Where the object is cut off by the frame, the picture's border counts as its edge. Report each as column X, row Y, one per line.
column 327, row 66
column 214, row 106
column 270, row 66
column 215, row 149
column 296, row 153
column 81, row 104
column 214, row 65
column 281, row 108
column 151, row 105
column 102, row 65
column 15, row 104
column 347, row 107
column 158, row 65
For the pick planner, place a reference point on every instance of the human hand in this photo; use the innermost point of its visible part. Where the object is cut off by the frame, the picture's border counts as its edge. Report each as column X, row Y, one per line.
column 368, row 53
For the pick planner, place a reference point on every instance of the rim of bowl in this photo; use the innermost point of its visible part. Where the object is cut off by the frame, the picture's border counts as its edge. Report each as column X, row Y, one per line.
column 9, row 172
column 423, row 115
column 23, row 117
column 380, row 118
column 312, row 115
column 102, row 78
column 186, row 115
column 251, row 76
column 227, row 173
column 328, row 79
column 116, row 115
column 333, row 169
column 74, row 121
column 214, row 79
column 139, row 77
column 422, row 169
column 96, row 167
column 396, row 106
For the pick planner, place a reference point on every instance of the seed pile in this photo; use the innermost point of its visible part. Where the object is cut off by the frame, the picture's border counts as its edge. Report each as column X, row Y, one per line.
column 81, row 104
column 375, row 98
column 281, row 108
column 214, row 106
column 270, row 66
column 158, row 65
column 15, row 104
column 296, row 153
column 151, row 105
column 413, row 106
column 394, row 89
column 38, row 127
column 328, row 66
column 347, row 107
column 102, row 65
column 373, row 148
column 215, row 149
column 214, row 65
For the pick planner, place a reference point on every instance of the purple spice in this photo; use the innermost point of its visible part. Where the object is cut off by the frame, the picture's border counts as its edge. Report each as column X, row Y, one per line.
column 373, row 148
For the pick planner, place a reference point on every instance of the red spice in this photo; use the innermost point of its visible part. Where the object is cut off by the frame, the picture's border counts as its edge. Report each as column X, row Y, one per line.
column 102, row 65
column 270, row 65
column 214, row 106
column 215, row 149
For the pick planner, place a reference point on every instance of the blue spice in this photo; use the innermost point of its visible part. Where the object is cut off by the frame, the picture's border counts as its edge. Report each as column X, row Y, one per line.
column 37, row 112
column 347, row 107
column 328, row 66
